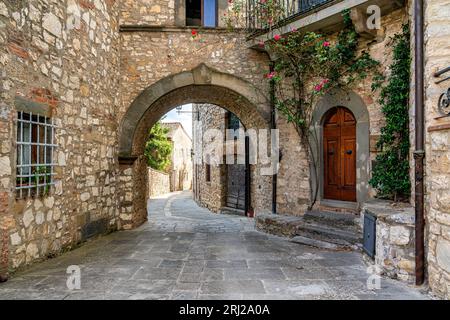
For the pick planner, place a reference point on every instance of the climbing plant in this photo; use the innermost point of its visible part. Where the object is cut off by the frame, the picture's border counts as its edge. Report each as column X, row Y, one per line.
column 158, row 148
column 308, row 65
column 390, row 176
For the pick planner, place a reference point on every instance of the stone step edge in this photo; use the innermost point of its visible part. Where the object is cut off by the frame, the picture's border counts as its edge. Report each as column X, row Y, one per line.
column 332, row 217
column 322, row 244
column 232, row 211
column 338, row 233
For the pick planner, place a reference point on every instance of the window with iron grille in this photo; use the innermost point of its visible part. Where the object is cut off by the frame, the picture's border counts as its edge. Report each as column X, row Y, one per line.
column 35, row 146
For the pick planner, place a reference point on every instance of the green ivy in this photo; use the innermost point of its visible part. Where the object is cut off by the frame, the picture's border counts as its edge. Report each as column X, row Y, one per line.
column 158, row 148
column 390, row 176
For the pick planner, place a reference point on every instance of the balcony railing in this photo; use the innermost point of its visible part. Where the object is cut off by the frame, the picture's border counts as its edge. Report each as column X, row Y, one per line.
column 257, row 16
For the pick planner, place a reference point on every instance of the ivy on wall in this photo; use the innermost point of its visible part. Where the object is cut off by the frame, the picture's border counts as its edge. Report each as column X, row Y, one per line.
column 390, row 176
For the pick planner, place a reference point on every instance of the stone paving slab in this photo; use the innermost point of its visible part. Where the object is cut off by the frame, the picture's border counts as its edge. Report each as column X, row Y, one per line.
column 195, row 254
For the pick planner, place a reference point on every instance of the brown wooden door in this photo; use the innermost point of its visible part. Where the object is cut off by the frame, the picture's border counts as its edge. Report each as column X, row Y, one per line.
column 339, row 152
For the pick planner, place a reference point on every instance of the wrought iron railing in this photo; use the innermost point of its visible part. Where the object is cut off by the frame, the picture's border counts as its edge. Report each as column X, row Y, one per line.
column 256, row 18
column 444, row 99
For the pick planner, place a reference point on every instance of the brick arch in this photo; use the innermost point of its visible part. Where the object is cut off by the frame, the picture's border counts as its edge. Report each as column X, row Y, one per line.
column 200, row 85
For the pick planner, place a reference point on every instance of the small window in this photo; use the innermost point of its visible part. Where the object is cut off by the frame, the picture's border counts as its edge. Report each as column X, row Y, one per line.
column 208, row 169
column 201, row 13
column 35, row 146
column 233, row 123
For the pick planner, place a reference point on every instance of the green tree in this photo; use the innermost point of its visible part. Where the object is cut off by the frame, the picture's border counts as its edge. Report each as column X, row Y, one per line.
column 158, row 148
column 390, row 175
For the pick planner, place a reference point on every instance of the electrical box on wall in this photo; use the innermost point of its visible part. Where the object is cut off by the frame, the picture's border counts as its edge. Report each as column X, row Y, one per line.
column 370, row 223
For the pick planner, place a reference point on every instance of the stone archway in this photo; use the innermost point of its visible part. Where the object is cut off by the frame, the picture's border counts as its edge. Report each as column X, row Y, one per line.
column 200, row 85
column 353, row 102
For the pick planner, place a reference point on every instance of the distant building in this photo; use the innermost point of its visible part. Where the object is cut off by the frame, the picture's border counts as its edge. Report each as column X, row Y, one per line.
column 218, row 186
column 181, row 162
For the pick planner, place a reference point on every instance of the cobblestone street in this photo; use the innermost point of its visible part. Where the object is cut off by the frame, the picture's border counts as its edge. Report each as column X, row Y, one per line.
column 186, row 252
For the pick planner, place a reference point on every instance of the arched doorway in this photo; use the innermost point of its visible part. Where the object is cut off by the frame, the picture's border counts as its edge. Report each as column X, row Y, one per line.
column 339, row 151
column 200, row 85
column 357, row 108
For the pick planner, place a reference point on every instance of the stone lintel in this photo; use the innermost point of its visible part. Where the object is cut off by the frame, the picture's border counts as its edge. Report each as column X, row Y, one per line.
column 28, row 106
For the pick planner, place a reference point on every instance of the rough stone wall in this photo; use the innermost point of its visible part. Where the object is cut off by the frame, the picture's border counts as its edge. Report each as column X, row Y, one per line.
column 211, row 194
column 158, row 183
column 293, row 190
column 63, row 55
column 394, row 247
column 147, row 12
column 176, row 51
column 437, row 178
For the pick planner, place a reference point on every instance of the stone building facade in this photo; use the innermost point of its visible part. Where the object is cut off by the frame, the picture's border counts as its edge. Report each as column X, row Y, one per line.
column 104, row 71
column 219, row 176
column 209, row 188
column 437, row 153
column 181, row 159
column 158, row 183
column 60, row 59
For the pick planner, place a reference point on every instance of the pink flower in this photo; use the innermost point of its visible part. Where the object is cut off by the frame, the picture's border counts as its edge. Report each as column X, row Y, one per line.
column 326, row 44
column 261, row 44
column 318, row 88
column 271, row 75
column 277, row 37
column 325, row 81
column 294, row 29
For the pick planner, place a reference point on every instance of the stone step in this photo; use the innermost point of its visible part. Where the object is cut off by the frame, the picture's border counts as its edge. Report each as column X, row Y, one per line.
column 332, row 218
column 322, row 244
column 322, row 232
column 322, row 207
column 311, row 232
column 232, row 211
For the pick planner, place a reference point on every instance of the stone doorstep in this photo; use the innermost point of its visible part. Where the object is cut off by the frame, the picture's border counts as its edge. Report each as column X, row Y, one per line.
column 332, row 218
column 311, row 232
column 232, row 211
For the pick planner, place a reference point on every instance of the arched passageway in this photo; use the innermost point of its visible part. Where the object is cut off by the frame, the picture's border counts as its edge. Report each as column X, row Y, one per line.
column 200, row 85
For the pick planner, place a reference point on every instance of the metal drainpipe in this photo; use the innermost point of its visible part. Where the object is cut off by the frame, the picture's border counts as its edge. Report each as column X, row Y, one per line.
column 419, row 153
column 273, row 125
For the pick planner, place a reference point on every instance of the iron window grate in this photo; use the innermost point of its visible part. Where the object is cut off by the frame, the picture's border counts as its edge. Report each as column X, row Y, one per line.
column 35, row 147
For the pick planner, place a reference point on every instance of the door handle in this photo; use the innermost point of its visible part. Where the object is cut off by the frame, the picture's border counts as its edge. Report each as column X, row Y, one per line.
column 349, row 152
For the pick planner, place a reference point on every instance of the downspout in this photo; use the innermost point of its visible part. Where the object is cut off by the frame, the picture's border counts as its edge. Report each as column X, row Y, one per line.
column 273, row 125
column 419, row 153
